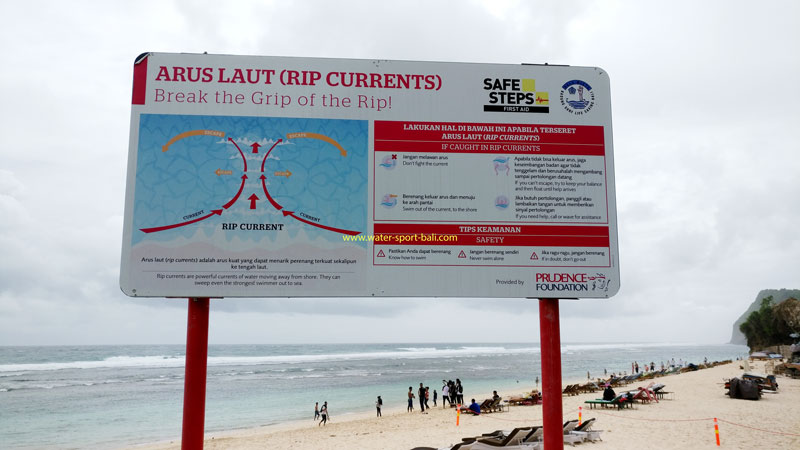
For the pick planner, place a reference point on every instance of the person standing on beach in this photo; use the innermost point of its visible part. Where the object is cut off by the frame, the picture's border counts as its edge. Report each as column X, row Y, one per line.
column 459, row 392
column 316, row 411
column 410, row 399
column 378, row 405
column 434, row 397
column 427, row 396
column 421, row 393
column 323, row 414
column 445, row 394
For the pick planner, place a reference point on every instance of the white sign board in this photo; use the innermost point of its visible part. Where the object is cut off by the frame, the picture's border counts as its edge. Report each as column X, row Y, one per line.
column 302, row 177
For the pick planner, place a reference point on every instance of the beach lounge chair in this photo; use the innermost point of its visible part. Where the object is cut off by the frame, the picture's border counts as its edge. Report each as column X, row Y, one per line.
column 531, row 398
column 620, row 401
column 518, row 401
column 659, row 392
column 584, row 430
column 765, row 383
column 527, row 439
column 530, row 441
column 465, row 445
column 569, row 438
column 513, row 438
column 569, row 426
column 644, row 395
column 535, row 435
column 496, row 405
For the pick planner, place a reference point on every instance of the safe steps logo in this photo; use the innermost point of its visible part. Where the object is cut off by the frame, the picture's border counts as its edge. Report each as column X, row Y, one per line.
column 515, row 95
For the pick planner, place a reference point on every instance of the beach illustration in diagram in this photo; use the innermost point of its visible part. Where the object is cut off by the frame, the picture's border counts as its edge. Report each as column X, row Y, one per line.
column 250, row 178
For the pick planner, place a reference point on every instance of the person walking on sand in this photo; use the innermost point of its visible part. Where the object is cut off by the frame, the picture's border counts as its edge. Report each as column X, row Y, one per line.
column 445, row 395
column 427, row 396
column 323, row 414
column 421, row 393
column 378, row 405
column 434, row 397
column 316, row 411
column 410, row 399
column 459, row 392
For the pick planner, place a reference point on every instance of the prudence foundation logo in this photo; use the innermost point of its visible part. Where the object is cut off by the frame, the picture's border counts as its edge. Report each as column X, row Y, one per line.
column 571, row 281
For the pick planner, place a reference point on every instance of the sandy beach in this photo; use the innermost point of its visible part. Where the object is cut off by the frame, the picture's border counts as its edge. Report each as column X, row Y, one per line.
column 682, row 421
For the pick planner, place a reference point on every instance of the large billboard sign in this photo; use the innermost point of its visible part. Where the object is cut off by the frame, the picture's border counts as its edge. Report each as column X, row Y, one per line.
column 304, row 177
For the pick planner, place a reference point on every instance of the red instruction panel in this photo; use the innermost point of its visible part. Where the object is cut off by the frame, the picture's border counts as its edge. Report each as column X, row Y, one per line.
column 489, row 194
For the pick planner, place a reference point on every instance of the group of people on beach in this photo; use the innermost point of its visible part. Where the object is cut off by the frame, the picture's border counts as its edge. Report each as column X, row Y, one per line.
column 651, row 367
column 322, row 414
column 452, row 393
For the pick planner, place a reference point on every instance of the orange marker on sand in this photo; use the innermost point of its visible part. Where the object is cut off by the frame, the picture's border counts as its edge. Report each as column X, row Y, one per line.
column 458, row 413
column 580, row 415
column 716, row 430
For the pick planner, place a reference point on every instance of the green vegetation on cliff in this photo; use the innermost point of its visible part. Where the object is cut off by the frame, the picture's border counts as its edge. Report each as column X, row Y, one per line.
column 778, row 296
column 770, row 324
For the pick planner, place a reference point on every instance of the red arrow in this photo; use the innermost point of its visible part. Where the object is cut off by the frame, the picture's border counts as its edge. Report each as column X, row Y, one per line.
column 269, row 197
column 319, row 225
column 176, row 225
column 240, row 152
column 236, row 197
column 255, row 146
column 252, row 199
column 273, row 145
column 270, row 149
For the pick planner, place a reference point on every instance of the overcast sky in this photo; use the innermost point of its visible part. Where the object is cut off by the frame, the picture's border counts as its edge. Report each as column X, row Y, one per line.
column 706, row 141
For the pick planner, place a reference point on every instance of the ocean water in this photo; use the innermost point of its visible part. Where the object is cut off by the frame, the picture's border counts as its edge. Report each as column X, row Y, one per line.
column 113, row 396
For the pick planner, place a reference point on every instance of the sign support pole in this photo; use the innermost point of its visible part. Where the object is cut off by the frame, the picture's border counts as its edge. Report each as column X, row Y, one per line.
column 550, row 343
column 194, row 388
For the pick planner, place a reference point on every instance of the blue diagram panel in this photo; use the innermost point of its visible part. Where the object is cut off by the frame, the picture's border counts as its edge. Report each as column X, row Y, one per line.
column 219, row 174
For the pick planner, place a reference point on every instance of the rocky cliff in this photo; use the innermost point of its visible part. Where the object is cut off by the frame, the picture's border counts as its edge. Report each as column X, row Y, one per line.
column 778, row 296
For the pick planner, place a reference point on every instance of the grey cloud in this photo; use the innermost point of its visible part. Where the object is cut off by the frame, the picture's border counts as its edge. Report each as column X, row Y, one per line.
column 706, row 157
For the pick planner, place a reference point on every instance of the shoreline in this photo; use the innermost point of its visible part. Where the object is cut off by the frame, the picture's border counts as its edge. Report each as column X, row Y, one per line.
column 682, row 422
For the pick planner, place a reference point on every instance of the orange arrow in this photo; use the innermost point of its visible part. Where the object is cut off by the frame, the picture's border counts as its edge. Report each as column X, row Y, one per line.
column 285, row 173
column 220, row 172
column 192, row 133
column 321, row 137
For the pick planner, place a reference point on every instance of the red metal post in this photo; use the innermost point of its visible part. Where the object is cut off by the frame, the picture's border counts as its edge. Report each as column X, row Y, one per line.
column 550, row 342
column 194, row 387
